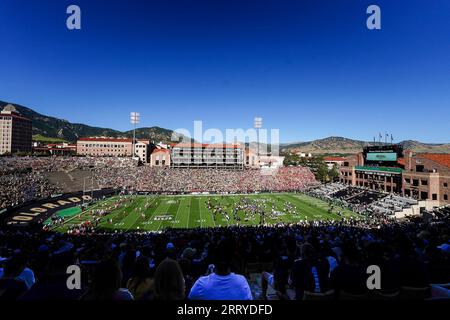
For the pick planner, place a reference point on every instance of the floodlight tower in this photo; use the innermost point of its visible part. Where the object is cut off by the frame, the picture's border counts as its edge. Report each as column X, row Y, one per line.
column 134, row 119
column 84, row 188
column 258, row 125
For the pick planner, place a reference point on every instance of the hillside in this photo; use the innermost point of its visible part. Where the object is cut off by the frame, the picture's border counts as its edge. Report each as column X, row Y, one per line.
column 327, row 145
column 48, row 128
column 340, row 145
column 156, row 134
column 51, row 127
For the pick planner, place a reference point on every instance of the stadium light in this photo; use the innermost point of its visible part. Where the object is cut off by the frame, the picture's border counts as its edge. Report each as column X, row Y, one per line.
column 84, row 188
column 257, row 125
column 134, row 119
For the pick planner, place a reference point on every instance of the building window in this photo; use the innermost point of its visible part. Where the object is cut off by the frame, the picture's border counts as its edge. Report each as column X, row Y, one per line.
column 424, row 182
column 445, row 197
column 445, row 184
column 434, row 196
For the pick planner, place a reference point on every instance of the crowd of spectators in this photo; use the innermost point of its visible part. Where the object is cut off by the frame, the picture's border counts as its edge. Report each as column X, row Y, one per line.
column 304, row 259
column 24, row 186
column 24, row 179
column 362, row 200
column 211, row 263
column 160, row 179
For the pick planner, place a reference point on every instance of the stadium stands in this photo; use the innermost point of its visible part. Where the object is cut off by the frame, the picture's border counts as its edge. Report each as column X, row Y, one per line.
column 363, row 200
column 33, row 178
column 311, row 260
column 391, row 204
column 324, row 261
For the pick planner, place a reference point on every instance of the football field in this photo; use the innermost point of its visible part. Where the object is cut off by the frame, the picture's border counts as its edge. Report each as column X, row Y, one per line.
column 157, row 212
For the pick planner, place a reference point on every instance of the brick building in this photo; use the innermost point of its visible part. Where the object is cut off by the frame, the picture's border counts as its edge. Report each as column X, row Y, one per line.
column 113, row 147
column 160, row 157
column 423, row 176
column 15, row 131
column 197, row 155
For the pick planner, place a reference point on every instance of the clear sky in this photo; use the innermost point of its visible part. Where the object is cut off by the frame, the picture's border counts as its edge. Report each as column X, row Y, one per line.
column 310, row 68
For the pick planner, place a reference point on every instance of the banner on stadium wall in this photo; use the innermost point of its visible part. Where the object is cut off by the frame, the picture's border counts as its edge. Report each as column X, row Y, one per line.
column 38, row 211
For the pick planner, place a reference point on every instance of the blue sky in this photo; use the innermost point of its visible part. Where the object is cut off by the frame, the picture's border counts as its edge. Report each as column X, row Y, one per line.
column 310, row 68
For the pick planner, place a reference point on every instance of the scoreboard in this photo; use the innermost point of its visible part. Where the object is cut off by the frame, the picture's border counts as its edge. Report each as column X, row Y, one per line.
column 382, row 155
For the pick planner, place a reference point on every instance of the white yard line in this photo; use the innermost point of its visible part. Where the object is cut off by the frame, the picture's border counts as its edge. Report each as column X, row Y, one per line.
column 178, row 210
column 155, row 212
column 137, row 217
column 189, row 213
column 200, row 210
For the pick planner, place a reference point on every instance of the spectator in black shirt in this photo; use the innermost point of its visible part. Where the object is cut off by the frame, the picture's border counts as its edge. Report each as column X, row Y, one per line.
column 12, row 288
column 350, row 275
column 309, row 272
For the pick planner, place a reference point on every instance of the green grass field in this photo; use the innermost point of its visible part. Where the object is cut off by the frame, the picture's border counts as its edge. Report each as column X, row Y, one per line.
column 157, row 212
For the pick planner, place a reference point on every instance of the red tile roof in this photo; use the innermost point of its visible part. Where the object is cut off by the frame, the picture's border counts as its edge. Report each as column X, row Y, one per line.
column 160, row 151
column 440, row 158
column 206, row 145
column 334, row 159
column 106, row 139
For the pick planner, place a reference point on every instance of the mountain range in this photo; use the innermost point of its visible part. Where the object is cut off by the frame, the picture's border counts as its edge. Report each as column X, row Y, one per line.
column 54, row 128
column 50, row 127
column 340, row 145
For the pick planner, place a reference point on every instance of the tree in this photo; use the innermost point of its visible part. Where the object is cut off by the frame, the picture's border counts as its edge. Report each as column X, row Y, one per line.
column 322, row 172
column 333, row 174
column 291, row 159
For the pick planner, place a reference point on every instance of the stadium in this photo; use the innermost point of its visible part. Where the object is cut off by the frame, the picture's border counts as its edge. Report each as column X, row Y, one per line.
column 200, row 158
column 90, row 211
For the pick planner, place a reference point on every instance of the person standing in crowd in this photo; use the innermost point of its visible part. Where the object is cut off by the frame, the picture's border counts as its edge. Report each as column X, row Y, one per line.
column 350, row 275
column 309, row 272
column 11, row 287
column 106, row 283
column 169, row 281
column 141, row 284
column 278, row 280
column 221, row 284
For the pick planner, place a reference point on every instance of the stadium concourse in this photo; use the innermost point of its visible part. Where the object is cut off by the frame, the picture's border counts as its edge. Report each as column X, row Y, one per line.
column 309, row 260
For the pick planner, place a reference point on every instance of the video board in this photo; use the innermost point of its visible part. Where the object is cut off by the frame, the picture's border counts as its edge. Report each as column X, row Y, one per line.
column 381, row 156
